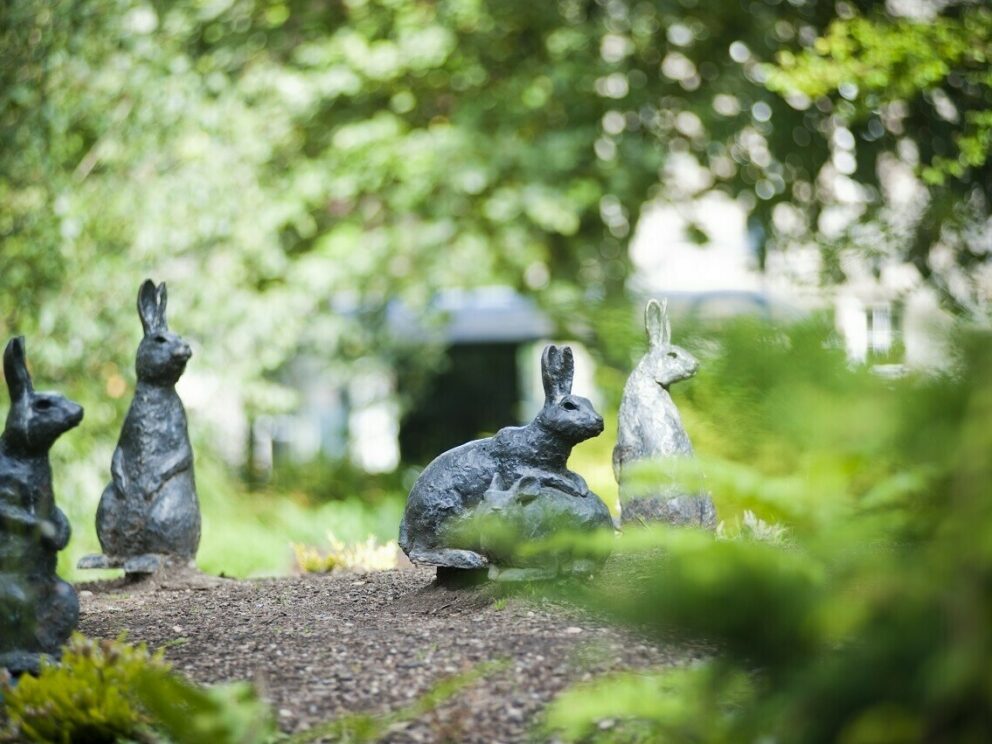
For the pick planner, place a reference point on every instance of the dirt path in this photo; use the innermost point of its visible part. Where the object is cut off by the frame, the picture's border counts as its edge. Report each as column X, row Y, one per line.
column 322, row 646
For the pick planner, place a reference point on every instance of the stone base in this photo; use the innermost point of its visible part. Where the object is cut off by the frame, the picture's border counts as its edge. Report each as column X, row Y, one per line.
column 137, row 566
column 23, row 662
column 678, row 511
column 448, row 558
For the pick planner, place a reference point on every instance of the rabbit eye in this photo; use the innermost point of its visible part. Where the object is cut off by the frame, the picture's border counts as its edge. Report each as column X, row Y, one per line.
column 672, row 355
column 42, row 405
column 569, row 405
column 160, row 339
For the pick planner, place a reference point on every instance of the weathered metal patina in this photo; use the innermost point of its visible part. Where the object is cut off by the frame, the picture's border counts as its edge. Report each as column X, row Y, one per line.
column 519, row 476
column 38, row 610
column 149, row 516
column 650, row 429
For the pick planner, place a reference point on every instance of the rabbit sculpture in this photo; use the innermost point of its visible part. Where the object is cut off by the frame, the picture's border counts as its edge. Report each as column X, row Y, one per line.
column 453, row 485
column 38, row 610
column 149, row 515
column 650, row 428
column 528, row 511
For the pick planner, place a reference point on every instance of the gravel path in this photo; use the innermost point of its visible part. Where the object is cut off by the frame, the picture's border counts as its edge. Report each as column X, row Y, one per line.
column 322, row 646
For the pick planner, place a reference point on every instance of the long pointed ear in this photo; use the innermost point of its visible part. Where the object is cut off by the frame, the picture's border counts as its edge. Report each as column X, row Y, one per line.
column 162, row 297
column 557, row 371
column 15, row 369
column 656, row 323
column 566, row 371
column 148, row 306
column 549, row 366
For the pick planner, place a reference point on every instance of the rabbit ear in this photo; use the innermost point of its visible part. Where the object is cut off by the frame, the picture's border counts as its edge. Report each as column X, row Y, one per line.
column 656, row 323
column 557, row 371
column 15, row 370
column 549, row 365
column 566, row 371
column 148, row 307
column 161, row 297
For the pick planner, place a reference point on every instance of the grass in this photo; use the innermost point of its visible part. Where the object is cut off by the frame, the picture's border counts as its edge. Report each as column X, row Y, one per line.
column 246, row 534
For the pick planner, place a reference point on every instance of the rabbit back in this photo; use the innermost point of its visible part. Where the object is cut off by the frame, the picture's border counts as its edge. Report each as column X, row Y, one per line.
column 453, row 483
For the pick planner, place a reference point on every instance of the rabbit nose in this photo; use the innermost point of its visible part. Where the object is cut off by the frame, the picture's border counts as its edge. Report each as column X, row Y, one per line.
column 184, row 352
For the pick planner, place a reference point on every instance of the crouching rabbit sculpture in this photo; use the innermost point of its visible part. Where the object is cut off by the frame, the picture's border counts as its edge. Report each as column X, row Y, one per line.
column 650, row 428
column 149, row 515
column 451, row 488
column 38, row 610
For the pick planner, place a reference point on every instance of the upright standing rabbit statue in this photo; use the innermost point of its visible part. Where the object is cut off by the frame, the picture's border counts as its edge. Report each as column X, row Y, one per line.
column 38, row 610
column 149, row 515
column 650, row 428
column 513, row 468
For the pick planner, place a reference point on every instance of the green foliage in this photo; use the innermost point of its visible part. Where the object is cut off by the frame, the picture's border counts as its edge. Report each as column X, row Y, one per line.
column 916, row 90
column 227, row 714
column 870, row 621
column 324, row 479
column 369, row 555
column 672, row 706
column 87, row 698
column 318, row 162
column 901, row 59
column 108, row 691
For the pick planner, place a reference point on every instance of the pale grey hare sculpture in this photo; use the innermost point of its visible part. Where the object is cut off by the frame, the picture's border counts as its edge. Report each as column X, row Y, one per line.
column 455, row 483
column 650, row 428
column 149, row 516
column 38, row 611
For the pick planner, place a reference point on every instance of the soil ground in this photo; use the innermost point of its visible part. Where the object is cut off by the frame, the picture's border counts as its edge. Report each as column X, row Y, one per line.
column 321, row 646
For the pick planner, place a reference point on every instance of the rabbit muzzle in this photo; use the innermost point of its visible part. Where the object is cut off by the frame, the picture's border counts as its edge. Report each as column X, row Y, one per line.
column 74, row 416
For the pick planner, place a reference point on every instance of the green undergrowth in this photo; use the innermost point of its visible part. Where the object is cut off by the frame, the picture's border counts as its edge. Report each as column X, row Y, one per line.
column 847, row 595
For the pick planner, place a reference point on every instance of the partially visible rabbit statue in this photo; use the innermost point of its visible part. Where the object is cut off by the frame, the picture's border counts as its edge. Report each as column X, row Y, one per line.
column 38, row 610
column 650, row 428
column 453, row 485
column 149, row 516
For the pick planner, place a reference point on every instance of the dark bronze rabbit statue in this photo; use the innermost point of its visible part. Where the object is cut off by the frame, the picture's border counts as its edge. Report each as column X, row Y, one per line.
column 38, row 610
column 149, row 514
column 454, row 484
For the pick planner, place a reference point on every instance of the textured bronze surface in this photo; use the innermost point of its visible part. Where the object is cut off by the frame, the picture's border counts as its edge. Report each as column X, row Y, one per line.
column 38, row 610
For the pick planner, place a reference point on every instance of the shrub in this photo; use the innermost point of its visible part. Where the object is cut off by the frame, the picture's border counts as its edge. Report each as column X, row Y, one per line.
column 108, row 691
column 85, row 698
column 869, row 623
column 370, row 555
